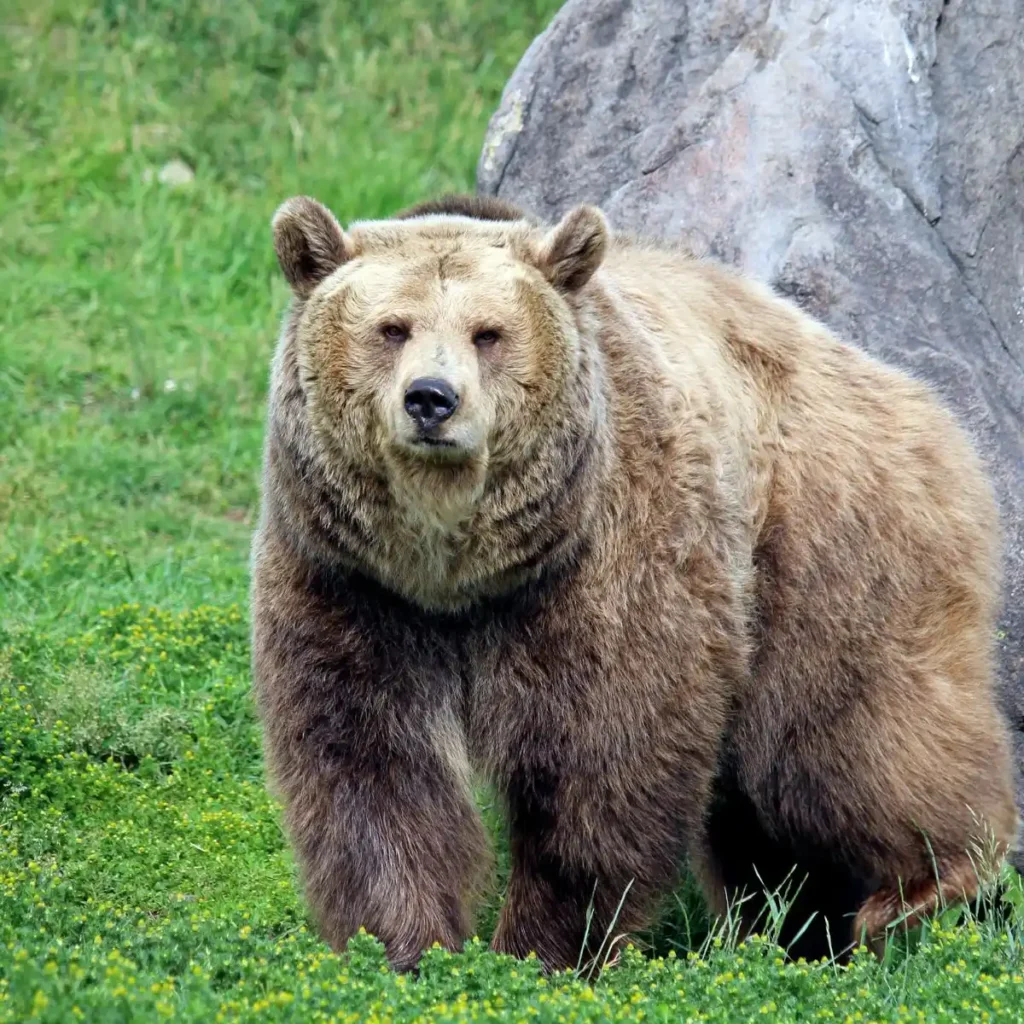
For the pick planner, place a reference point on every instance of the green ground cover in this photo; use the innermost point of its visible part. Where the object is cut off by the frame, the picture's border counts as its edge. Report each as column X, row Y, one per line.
column 143, row 871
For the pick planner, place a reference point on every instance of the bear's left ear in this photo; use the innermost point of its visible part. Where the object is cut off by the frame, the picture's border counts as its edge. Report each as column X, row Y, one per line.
column 573, row 249
column 309, row 243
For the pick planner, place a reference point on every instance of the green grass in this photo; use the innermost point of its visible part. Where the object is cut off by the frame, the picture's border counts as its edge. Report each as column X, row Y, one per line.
column 143, row 871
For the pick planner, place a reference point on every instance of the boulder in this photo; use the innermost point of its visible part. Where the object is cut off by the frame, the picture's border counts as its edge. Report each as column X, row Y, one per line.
column 866, row 157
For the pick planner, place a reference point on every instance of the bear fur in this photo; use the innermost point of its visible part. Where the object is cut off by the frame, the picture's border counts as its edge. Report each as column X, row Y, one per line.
column 683, row 575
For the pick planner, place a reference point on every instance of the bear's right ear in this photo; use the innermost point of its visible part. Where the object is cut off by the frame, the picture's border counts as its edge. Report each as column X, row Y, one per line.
column 309, row 243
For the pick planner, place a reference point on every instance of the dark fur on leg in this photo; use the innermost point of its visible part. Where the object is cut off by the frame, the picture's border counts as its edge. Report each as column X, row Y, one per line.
column 364, row 742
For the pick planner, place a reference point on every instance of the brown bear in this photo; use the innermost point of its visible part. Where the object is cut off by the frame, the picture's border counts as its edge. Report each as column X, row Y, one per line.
column 685, row 576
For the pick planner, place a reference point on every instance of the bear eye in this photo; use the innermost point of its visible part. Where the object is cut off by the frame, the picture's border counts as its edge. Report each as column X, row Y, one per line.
column 484, row 338
column 395, row 332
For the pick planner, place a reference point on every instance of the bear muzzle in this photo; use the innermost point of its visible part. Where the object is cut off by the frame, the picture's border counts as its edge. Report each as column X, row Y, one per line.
column 428, row 428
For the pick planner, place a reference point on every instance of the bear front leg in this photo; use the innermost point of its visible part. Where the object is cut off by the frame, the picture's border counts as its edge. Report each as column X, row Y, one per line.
column 367, row 752
column 595, row 846
column 565, row 914
column 605, row 744
column 385, row 834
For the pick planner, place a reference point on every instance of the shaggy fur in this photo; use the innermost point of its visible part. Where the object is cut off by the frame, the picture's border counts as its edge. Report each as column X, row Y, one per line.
column 684, row 575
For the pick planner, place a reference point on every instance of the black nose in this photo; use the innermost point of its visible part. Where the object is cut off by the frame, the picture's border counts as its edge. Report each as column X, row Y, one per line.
column 430, row 401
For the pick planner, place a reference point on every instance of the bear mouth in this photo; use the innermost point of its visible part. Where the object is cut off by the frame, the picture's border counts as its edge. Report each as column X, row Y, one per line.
column 436, row 450
column 427, row 449
column 434, row 442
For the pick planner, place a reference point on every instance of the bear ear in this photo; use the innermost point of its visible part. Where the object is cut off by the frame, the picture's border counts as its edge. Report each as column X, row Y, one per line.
column 573, row 249
column 309, row 243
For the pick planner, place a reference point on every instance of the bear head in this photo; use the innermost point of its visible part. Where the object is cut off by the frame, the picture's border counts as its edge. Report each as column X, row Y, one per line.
column 438, row 346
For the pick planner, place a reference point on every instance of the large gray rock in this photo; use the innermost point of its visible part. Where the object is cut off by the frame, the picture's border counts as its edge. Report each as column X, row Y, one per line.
column 864, row 156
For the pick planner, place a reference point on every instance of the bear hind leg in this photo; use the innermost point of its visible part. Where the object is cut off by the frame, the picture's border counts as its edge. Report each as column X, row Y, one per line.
column 746, row 871
column 906, row 906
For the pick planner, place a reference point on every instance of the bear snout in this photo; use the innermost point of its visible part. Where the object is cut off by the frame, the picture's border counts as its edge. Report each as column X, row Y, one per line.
column 430, row 401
